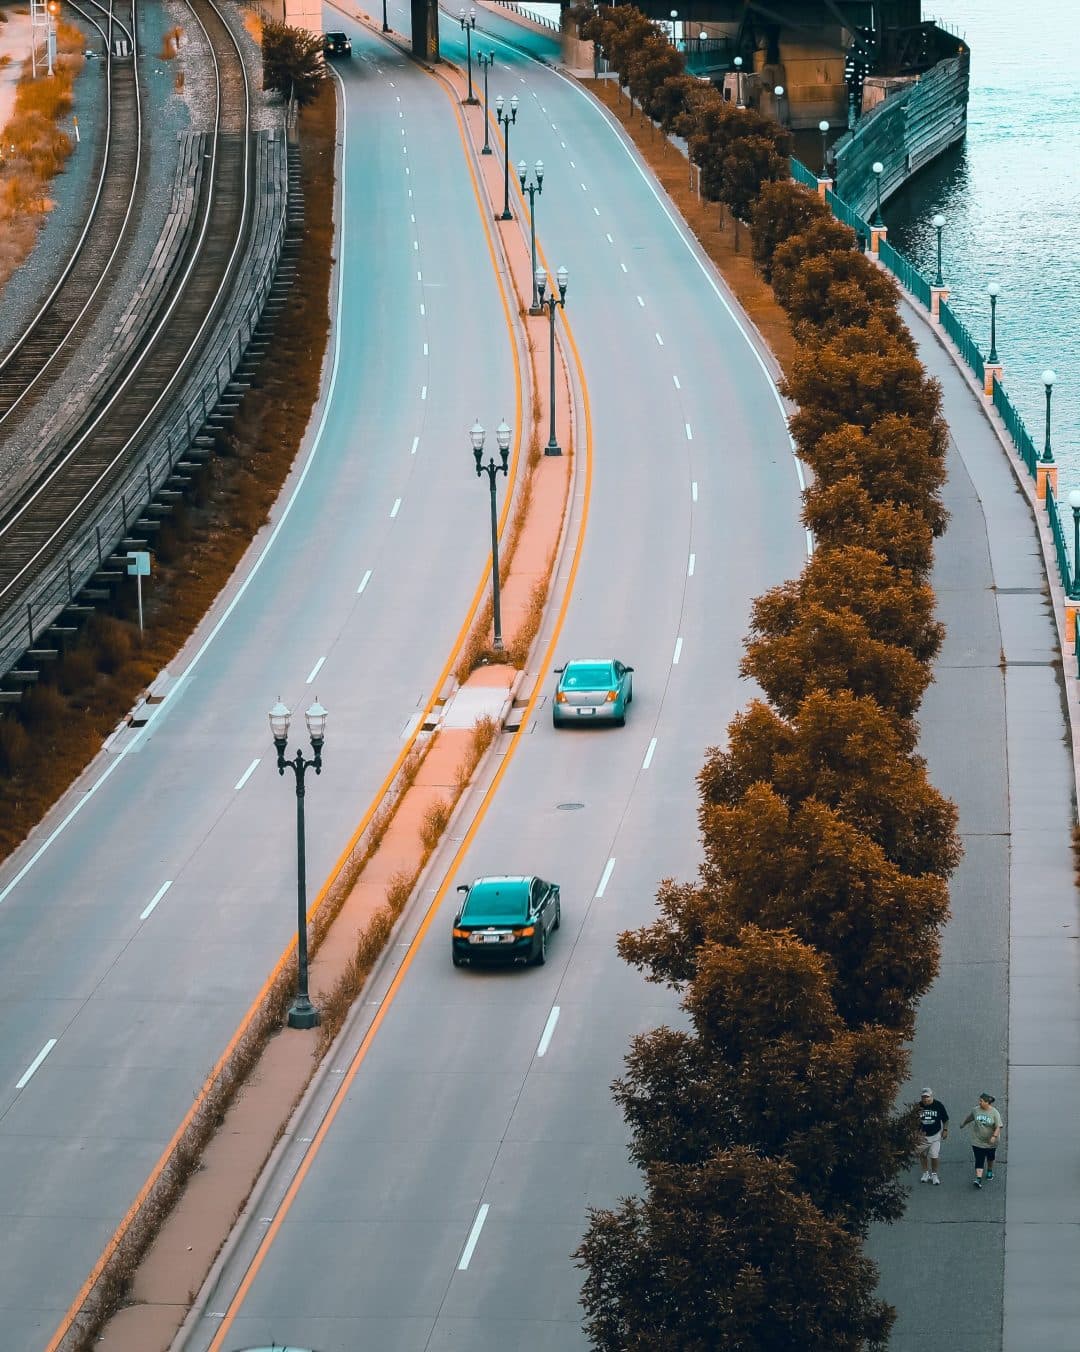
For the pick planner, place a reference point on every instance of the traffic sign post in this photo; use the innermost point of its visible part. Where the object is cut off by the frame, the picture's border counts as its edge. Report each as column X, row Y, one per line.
column 139, row 567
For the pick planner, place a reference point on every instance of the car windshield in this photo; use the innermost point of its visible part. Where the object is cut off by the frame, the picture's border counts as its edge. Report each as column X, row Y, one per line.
column 590, row 676
column 509, row 898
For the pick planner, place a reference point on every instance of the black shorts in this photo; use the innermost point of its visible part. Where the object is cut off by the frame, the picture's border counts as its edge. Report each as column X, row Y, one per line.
column 984, row 1154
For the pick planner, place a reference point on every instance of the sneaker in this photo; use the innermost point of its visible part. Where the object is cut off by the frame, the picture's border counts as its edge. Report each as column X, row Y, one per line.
column 978, row 1182
column 989, row 1174
column 936, row 1181
column 926, row 1177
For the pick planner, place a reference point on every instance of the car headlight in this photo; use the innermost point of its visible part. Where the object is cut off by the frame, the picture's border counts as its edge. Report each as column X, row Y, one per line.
column 461, row 934
column 525, row 932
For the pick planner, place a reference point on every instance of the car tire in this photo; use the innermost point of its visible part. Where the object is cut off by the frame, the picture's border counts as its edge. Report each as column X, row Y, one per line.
column 558, row 915
column 458, row 962
column 620, row 722
column 541, row 956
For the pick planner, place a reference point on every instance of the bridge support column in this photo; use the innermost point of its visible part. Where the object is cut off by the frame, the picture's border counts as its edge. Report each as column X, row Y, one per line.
column 425, row 29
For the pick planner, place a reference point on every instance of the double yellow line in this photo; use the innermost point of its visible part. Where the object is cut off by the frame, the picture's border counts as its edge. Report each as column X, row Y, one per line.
column 286, row 956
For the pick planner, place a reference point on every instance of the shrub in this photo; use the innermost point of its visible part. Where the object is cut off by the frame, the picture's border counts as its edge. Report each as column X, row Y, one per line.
column 14, row 745
column 823, row 235
column 834, row 291
column 782, row 209
column 112, row 639
column 750, row 162
column 844, row 513
column 292, row 62
column 653, row 62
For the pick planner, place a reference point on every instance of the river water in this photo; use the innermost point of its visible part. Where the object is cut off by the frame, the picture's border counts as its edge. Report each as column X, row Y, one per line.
column 1010, row 195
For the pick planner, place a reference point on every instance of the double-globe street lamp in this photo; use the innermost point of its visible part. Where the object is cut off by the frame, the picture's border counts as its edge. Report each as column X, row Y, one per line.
column 485, row 63
column 534, row 190
column 939, row 224
column 1048, row 378
column 468, row 23
column 302, row 1013
column 992, row 290
column 502, row 436
column 504, row 120
column 551, row 302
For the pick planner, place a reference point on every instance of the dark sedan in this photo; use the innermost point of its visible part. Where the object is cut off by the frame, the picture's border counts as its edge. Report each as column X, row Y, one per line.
column 505, row 920
column 337, row 44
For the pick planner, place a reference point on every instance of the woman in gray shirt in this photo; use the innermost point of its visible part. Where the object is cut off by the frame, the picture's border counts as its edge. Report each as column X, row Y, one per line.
column 986, row 1127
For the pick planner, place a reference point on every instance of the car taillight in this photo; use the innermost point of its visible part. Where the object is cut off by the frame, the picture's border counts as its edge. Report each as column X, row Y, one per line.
column 611, row 696
column 560, row 697
column 461, row 934
column 525, row 932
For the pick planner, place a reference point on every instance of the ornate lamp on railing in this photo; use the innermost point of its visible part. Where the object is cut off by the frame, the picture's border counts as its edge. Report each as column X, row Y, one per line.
column 1048, row 378
column 738, row 63
column 939, row 224
column 1074, row 503
column 993, row 290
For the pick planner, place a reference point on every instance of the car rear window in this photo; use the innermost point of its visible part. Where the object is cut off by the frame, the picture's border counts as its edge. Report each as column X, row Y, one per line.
column 504, row 899
column 588, row 677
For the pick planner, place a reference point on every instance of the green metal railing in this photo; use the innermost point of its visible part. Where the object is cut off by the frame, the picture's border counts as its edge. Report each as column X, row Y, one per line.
column 1059, row 541
column 905, row 273
column 801, row 174
column 957, row 331
column 1017, row 430
column 843, row 212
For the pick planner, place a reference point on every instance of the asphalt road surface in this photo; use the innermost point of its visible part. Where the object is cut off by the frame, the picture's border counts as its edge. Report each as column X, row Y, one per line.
column 132, row 947
column 452, row 1188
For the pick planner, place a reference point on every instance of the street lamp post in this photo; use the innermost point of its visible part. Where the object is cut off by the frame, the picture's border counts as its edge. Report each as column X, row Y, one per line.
column 738, row 63
column 778, row 94
column 878, row 169
column 534, row 190
column 502, row 435
column 504, row 120
column 552, row 302
column 992, row 291
column 486, row 63
column 823, row 127
column 674, row 16
column 385, row 25
column 52, row 10
column 1074, row 503
column 302, row 1013
column 1048, row 378
column 939, row 224
column 468, row 23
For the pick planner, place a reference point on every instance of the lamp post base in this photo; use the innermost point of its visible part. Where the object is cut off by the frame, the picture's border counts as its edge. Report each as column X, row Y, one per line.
column 553, row 448
column 536, row 309
column 303, row 1014
column 486, row 151
column 473, row 102
column 505, row 216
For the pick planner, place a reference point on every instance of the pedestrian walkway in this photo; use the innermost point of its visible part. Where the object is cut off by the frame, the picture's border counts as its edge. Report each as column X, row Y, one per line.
column 966, row 1269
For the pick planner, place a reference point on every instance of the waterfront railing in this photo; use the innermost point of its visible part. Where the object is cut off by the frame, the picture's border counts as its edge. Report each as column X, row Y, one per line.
column 801, row 174
column 1019, row 433
column 905, row 272
column 957, row 330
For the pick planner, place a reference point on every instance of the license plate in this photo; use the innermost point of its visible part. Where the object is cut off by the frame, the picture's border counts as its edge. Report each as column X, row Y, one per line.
column 487, row 938
column 585, row 713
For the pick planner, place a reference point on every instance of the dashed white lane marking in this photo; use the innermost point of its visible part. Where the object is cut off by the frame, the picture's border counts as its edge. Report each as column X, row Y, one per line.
column 422, row 310
column 605, row 877
column 563, row 144
column 412, row 218
column 407, row 169
column 474, row 1233
column 573, row 165
column 583, row 188
column 165, row 886
column 21, row 1084
column 678, row 652
column 549, row 1028
column 649, row 755
column 363, row 582
column 416, row 245
column 419, row 276
column 610, row 240
column 246, row 775
column 395, row 509
column 423, row 391
column 425, row 349
column 315, row 670
column 693, row 490
column 676, row 380
column 596, row 211
column 554, row 127
column 660, row 340
column 641, row 302
column 415, row 444
column 623, row 266
column 690, row 565
column 689, row 434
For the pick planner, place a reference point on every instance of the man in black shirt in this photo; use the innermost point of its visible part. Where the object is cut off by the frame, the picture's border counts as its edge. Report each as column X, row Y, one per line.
column 934, row 1125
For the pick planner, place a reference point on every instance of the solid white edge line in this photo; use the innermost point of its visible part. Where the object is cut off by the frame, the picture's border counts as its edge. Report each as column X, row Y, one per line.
column 363, row 582
column 474, row 1235
column 246, row 775
column 678, row 652
column 165, row 886
column 395, row 509
column 315, row 670
column 21, row 1084
column 690, row 565
column 549, row 1029
column 649, row 755
column 181, row 680
column 605, row 877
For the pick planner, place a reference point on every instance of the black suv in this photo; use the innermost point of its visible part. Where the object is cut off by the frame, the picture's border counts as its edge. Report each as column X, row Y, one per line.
column 337, row 44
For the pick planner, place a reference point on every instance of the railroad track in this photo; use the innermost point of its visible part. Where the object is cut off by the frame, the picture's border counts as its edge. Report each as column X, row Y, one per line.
column 50, row 339
column 35, row 530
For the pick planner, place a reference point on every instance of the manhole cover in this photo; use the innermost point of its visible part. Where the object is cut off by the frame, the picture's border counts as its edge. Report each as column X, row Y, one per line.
column 569, row 807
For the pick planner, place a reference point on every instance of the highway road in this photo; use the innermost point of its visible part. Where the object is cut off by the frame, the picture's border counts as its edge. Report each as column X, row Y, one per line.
column 452, row 1186
column 139, row 923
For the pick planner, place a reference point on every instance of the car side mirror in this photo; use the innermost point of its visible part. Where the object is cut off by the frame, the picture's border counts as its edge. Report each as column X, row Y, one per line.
column 558, row 670
column 463, row 887
column 629, row 668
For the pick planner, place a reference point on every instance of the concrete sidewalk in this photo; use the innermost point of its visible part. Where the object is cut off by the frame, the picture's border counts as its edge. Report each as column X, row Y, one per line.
column 996, row 1269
